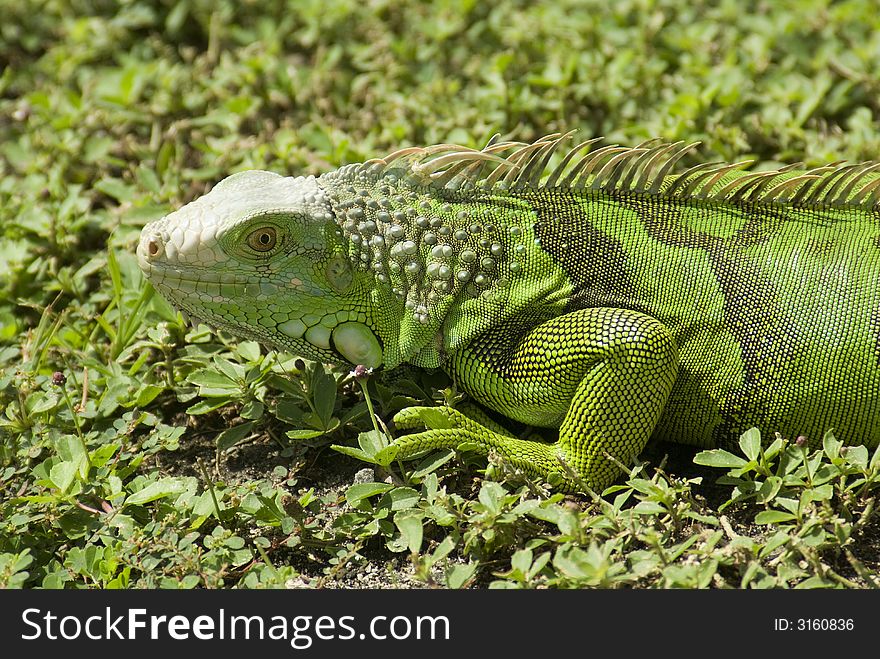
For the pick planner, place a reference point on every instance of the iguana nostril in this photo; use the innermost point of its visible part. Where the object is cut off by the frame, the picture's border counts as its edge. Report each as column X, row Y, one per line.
column 154, row 247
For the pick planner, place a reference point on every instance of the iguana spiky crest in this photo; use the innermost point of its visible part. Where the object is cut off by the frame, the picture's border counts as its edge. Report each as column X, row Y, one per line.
column 644, row 169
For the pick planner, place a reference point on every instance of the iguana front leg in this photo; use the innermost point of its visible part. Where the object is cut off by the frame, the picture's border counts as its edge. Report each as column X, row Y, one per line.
column 602, row 376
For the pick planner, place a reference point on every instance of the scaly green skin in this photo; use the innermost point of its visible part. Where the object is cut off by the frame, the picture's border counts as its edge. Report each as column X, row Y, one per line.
column 606, row 297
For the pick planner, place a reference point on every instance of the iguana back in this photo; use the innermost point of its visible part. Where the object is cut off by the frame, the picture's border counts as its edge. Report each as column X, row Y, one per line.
column 775, row 309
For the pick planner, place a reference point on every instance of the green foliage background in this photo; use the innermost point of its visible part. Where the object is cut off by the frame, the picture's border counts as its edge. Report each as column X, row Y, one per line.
column 164, row 456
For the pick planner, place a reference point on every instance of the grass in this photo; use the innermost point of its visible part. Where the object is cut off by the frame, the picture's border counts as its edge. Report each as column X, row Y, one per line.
column 140, row 452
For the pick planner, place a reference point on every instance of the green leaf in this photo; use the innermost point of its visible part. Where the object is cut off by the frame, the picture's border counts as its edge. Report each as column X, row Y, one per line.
column 147, row 394
column 710, row 520
column 176, row 16
column 212, row 383
column 875, row 459
column 769, row 489
column 354, row 413
column 354, row 453
column 164, row 487
column 773, row 450
column 719, row 458
column 433, row 462
column 402, row 498
column 443, row 549
column 552, row 514
column 372, row 442
column 792, row 505
column 774, row 542
column 573, row 563
column 821, row 493
column 232, row 436
column 831, row 445
column 410, row 525
column 252, row 409
column 206, row 406
column 490, row 495
column 521, row 560
column 386, row 456
column 649, row 508
column 234, row 372
column 750, row 443
column 289, row 411
column 457, row 576
column 436, row 418
column 71, row 449
column 304, row 433
column 63, row 475
column 773, row 517
column 102, row 454
column 360, row 491
column 643, row 485
column 40, row 402
column 250, row 350
column 857, row 456
column 814, row 582
column 325, row 397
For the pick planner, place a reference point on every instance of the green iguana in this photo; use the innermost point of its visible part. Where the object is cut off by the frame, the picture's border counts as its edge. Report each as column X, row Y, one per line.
column 605, row 295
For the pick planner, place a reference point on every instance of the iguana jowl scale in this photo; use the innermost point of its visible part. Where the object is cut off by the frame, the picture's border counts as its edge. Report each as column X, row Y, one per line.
column 606, row 296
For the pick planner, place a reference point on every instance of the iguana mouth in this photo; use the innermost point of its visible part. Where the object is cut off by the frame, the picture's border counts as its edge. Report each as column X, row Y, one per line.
column 180, row 278
column 181, row 284
column 159, row 273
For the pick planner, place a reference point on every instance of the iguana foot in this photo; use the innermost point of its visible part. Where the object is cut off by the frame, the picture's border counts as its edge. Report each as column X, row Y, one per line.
column 446, row 427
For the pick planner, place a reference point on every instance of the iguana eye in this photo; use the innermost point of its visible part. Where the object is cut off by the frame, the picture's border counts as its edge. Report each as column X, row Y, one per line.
column 263, row 239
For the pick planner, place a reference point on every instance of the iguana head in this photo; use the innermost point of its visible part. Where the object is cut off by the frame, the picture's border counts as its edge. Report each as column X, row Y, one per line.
column 401, row 258
column 262, row 256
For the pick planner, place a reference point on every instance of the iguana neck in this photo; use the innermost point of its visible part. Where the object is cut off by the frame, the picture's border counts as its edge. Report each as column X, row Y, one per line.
column 436, row 256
